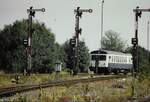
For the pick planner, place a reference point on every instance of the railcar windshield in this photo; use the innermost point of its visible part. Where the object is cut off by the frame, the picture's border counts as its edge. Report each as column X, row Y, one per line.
column 98, row 57
column 94, row 57
column 102, row 57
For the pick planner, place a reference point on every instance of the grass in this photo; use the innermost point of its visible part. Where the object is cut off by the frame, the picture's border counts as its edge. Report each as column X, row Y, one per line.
column 90, row 92
column 6, row 79
column 114, row 90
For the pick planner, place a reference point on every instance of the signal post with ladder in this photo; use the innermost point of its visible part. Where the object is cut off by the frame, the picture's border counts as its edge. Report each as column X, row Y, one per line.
column 28, row 41
column 78, row 30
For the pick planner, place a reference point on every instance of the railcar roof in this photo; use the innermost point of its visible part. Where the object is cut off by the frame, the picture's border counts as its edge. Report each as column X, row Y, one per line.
column 108, row 52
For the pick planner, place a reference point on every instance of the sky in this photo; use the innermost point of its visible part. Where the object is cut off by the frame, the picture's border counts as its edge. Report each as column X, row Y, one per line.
column 60, row 18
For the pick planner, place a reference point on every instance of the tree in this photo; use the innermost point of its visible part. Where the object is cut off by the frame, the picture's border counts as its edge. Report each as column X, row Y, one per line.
column 13, row 55
column 144, row 61
column 68, row 55
column 83, row 56
column 144, row 64
column 60, row 55
column 112, row 41
column 43, row 49
column 9, row 41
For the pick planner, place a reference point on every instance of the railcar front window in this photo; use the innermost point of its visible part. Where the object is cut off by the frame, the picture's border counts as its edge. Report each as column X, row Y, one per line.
column 93, row 57
column 102, row 57
column 98, row 57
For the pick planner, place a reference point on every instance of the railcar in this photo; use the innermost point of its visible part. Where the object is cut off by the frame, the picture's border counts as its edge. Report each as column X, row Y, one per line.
column 104, row 61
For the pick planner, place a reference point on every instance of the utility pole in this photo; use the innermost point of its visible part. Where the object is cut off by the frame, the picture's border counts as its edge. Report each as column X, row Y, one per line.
column 31, row 12
column 148, row 40
column 102, row 22
column 78, row 30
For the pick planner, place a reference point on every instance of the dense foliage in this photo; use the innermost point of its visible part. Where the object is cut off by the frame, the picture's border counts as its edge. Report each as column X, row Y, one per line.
column 83, row 56
column 144, row 62
column 45, row 51
column 112, row 41
column 13, row 54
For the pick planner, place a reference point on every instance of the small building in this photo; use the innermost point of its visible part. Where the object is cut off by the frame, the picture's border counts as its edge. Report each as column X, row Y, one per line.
column 58, row 66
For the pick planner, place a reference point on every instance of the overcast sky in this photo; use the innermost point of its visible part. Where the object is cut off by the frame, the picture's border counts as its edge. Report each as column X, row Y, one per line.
column 60, row 18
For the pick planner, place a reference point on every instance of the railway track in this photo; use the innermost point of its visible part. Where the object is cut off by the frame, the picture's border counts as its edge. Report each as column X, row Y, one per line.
column 10, row 91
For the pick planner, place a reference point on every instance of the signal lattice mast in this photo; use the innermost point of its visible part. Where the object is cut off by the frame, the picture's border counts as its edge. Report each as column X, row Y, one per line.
column 138, row 13
column 31, row 12
column 78, row 31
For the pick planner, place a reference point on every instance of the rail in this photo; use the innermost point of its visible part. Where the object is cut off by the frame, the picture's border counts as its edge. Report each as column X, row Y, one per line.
column 10, row 91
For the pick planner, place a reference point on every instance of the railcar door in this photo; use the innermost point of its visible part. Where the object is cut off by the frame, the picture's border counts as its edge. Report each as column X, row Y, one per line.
column 102, row 59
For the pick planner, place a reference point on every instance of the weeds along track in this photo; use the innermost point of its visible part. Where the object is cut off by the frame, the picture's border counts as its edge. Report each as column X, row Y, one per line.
column 10, row 91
